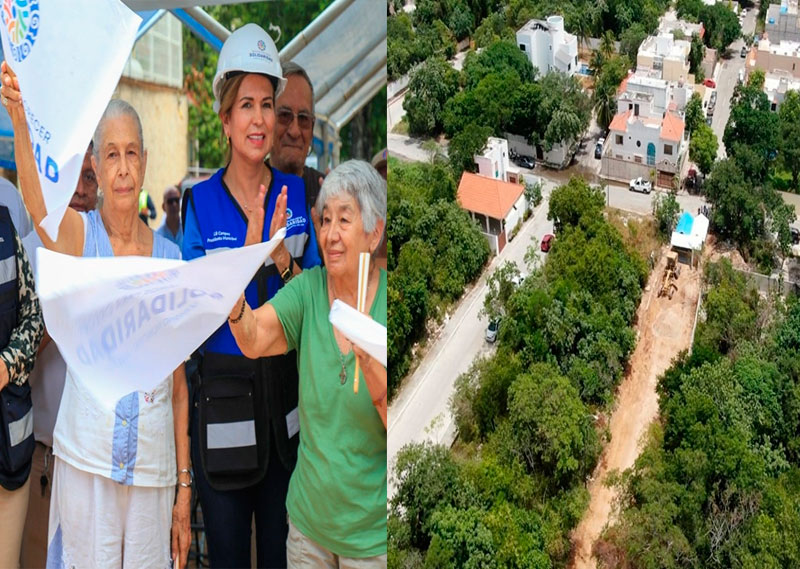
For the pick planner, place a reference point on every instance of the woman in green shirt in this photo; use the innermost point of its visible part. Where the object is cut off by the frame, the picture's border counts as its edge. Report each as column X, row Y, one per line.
column 337, row 495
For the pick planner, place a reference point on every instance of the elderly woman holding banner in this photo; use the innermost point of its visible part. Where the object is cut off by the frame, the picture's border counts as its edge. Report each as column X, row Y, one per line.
column 337, row 494
column 113, row 495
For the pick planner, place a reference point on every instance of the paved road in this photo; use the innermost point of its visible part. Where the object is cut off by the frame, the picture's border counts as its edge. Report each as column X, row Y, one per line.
column 395, row 111
column 420, row 412
column 727, row 77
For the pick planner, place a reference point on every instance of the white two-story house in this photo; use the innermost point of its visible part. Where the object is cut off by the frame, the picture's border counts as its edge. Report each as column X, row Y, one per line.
column 548, row 46
column 647, row 136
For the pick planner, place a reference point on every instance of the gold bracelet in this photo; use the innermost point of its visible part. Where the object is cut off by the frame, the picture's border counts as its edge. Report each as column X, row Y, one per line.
column 241, row 313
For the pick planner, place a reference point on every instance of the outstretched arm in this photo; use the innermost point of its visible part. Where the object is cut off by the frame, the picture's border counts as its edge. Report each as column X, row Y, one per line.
column 70, row 235
column 258, row 333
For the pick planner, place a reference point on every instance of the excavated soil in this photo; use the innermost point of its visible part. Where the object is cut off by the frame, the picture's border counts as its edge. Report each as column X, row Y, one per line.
column 664, row 328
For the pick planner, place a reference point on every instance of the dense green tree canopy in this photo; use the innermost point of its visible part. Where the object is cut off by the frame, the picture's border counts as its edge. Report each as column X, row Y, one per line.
column 553, row 428
column 430, row 87
column 465, row 145
column 703, row 147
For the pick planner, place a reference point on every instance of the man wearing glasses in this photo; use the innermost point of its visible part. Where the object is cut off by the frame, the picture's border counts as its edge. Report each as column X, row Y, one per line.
column 171, row 228
column 294, row 126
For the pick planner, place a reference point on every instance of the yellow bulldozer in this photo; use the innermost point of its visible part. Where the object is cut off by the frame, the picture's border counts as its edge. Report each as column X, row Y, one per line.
column 671, row 274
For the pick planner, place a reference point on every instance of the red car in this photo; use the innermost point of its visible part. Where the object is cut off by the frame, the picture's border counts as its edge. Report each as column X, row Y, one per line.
column 547, row 242
column 710, row 83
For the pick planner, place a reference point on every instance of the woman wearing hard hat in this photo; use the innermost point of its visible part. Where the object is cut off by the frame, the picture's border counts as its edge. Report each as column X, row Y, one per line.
column 245, row 420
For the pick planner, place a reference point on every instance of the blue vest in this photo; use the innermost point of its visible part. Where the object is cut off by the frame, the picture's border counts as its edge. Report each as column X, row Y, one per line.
column 16, row 413
column 224, row 226
column 263, row 390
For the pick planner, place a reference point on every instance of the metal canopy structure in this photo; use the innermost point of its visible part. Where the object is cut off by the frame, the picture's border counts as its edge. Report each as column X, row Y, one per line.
column 343, row 50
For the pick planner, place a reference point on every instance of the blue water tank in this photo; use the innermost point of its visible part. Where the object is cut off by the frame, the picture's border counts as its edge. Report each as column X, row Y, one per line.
column 772, row 20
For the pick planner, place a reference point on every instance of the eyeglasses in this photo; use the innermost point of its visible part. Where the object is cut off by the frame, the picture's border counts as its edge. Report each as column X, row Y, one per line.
column 173, row 201
column 286, row 116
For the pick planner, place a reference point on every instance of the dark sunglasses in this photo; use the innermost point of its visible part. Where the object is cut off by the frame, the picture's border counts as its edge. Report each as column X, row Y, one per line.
column 172, row 201
column 286, row 116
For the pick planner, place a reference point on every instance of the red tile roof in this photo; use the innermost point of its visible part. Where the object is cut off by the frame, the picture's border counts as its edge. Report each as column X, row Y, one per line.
column 487, row 196
column 624, row 85
column 620, row 121
column 672, row 127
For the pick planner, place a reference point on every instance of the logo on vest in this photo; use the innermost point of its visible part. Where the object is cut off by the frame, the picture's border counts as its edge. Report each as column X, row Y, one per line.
column 21, row 19
column 292, row 221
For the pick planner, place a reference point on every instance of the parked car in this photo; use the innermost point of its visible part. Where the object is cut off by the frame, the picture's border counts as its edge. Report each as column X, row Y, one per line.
column 693, row 181
column 708, row 120
column 547, row 242
column 598, row 148
column 640, row 185
column 526, row 161
column 743, row 53
column 517, row 280
column 795, row 235
column 741, row 76
column 713, row 98
column 491, row 331
column 710, row 83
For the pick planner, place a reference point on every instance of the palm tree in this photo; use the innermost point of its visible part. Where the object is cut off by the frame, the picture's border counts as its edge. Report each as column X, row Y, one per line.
column 596, row 64
column 605, row 104
column 607, row 47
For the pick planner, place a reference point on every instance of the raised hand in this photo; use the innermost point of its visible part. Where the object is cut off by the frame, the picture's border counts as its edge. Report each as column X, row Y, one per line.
column 279, row 215
column 255, row 218
column 10, row 95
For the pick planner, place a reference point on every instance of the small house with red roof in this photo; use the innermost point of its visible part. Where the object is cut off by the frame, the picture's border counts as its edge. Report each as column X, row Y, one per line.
column 496, row 205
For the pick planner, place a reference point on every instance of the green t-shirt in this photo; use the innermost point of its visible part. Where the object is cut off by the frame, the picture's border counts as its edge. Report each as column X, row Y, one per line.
column 337, row 494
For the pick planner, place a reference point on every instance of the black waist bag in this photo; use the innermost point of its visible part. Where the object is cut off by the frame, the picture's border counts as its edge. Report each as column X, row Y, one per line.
column 16, row 435
column 228, row 422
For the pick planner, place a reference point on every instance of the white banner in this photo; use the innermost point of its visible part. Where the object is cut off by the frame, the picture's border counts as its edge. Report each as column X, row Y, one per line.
column 125, row 323
column 360, row 329
column 68, row 57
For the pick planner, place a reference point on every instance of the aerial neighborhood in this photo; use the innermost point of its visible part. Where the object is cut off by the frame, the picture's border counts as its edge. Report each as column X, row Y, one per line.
column 594, row 270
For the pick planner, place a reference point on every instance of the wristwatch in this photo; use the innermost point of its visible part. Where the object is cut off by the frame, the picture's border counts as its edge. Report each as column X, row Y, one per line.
column 288, row 272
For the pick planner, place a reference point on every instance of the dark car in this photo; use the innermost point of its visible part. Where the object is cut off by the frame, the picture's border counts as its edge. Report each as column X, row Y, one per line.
column 547, row 242
column 598, row 148
column 795, row 235
column 743, row 54
column 525, row 161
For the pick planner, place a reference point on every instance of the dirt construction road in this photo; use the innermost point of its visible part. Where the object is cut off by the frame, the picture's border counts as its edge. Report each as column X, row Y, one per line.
column 664, row 329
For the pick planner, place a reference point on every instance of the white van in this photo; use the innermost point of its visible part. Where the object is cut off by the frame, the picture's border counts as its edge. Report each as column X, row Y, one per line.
column 741, row 76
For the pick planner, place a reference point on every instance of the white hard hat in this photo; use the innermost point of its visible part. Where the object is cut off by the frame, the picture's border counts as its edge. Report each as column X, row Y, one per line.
column 249, row 50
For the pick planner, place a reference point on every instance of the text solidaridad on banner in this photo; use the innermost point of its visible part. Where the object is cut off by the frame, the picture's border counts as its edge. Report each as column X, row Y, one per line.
column 124, row 324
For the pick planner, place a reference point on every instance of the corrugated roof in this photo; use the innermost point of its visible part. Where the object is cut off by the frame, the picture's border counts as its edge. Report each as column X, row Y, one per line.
column 672, row 128
column 488, row 196
column 620, row 121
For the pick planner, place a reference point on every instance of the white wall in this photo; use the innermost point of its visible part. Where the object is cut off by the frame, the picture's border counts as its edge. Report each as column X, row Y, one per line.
column 637, row 132
column 514, row 216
